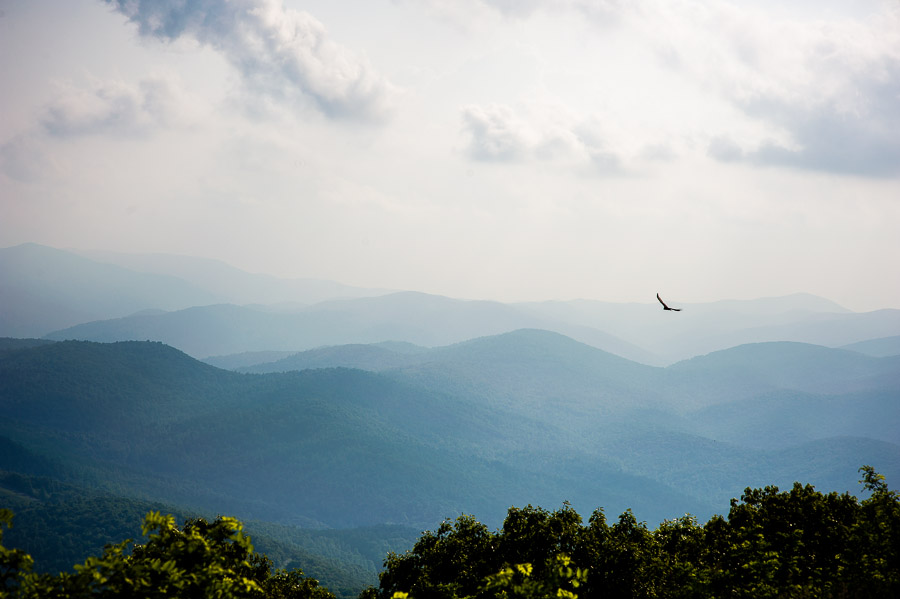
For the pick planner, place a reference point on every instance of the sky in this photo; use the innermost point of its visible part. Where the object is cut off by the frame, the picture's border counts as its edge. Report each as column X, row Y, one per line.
column 482, row 149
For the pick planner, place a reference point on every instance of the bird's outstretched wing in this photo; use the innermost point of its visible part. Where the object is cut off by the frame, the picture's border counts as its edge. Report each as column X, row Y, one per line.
column 665, row 307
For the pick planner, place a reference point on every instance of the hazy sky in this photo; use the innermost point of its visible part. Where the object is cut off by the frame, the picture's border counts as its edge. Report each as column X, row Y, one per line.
column 491, row 149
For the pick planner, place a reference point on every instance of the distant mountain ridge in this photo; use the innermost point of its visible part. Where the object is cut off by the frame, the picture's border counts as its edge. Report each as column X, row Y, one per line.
column 880, row 347
column 412, row 317
column 432, row 321
column 703, row 328
column 534, row 363
column 233, row 285
column 43, row 289
column 207, row 308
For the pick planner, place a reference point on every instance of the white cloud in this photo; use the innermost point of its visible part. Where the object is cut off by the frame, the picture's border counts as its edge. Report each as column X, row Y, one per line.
column 117, row 108
column 469, row 15
column 462, row 11
column 496, row 134
column 279, row 52
column 541, row 133
column 111, row 109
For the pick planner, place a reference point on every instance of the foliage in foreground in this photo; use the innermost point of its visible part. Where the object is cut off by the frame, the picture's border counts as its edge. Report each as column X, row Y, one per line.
column 201, row 559
column 797, row 543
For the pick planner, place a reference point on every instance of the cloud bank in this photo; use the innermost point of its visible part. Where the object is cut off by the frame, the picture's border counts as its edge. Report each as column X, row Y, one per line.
column 279, row 52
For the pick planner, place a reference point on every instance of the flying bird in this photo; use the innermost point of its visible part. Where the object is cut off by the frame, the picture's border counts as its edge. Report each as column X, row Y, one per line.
column 665, row 307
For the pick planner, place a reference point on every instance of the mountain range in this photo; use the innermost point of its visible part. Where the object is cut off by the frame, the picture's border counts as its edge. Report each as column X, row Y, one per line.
column 315, row 406
column 209, row 309
column 526, row 416
column 45, row 289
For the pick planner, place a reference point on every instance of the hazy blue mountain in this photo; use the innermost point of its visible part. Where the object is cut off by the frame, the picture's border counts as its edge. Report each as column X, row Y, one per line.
column 247, row 359
column 10, row 343
column 721, row 470
column 335, row 446
column 433, row 320
column 233, row 285
column 533, row 373
column 403, row 347
column 205, row 330
column 528, row 416
column 760, row 396
column 44, row 289
column 371, row 357
column 539, row 373
column 533, row 366
column 784, row 418
column 759, row 368
column 832, row 330
column 705, row 327
column 881, row 347
column 416, row 318
column 761, row 399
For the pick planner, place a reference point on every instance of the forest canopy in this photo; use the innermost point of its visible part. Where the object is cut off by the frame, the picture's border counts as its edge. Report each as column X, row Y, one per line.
column 795, row 543
column 772, row 543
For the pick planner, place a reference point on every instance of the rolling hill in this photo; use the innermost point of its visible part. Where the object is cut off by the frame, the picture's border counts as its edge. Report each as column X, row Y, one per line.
column 336, row 446
column 523, row 417
column 735, row 409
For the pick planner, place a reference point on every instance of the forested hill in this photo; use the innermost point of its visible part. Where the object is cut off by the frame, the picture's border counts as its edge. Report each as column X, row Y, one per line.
column 527, row 417
column 301, row 445
column 524, row 417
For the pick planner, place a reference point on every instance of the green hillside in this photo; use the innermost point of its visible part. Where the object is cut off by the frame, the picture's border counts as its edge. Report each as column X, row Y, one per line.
column 335, row 446
column 527, row 417
column 758, row 401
